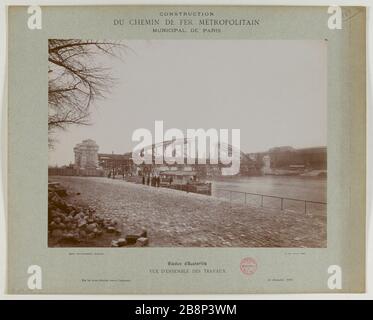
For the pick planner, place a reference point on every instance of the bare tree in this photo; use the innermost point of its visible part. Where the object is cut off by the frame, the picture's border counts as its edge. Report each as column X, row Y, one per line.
column 76, row 79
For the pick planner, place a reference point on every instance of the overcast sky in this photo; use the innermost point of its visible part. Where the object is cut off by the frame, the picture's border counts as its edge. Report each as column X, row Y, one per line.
column 273, row 91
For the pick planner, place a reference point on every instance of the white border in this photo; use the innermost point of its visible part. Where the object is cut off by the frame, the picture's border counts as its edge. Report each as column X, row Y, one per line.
column 369, row 266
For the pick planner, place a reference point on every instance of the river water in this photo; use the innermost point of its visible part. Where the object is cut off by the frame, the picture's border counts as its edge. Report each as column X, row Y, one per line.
column 303, row 188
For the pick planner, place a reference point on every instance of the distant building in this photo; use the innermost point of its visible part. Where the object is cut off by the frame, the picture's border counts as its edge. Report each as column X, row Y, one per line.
column 116, row 163
column 85, row 163
column 86, row 156
column 289, row 158
column 276, row 160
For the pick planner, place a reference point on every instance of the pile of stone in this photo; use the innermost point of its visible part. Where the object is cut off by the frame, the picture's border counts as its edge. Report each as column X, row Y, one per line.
column 74, row 224
column 138, row 240
column 57, row 188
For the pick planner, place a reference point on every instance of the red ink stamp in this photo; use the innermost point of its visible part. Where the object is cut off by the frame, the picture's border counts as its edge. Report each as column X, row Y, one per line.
column 248, row 266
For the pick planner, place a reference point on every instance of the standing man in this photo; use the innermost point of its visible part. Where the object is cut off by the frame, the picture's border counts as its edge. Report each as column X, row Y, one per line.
column 158, row 181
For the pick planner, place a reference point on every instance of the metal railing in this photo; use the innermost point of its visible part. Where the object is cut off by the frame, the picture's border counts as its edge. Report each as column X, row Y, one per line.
column 262, row 196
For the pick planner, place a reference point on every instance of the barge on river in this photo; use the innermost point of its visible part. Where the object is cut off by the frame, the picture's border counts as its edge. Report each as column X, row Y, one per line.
column 184, row 180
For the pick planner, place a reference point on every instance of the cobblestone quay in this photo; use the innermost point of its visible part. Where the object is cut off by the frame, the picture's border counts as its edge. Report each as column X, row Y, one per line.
column 178, row 219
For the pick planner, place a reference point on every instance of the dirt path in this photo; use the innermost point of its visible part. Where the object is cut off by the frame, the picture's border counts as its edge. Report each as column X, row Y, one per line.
column 177, row 219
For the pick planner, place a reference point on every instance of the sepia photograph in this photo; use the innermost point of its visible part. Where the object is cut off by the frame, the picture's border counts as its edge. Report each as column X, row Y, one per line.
column 178, row 150
column 187, row 143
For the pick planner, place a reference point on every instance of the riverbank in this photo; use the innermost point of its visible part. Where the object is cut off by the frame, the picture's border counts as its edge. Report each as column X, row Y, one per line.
column 177, row 219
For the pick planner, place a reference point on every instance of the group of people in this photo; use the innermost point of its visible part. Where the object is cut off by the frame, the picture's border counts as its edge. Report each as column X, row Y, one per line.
column 153, row 180
column 113, row 174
